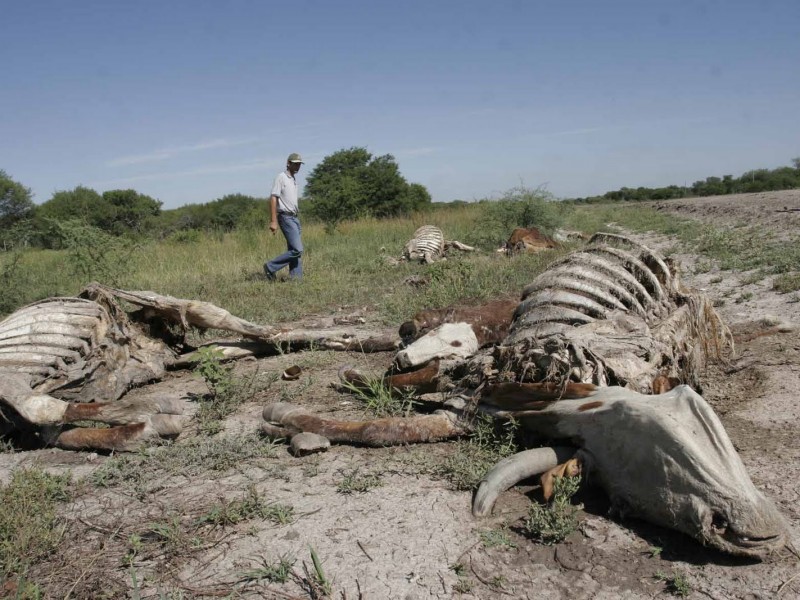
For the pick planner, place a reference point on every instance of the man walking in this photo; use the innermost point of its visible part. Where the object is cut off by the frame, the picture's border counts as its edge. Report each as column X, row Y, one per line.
column 283, row 210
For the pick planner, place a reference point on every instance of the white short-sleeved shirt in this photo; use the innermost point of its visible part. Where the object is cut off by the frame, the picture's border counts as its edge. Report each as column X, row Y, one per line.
column 285, row 188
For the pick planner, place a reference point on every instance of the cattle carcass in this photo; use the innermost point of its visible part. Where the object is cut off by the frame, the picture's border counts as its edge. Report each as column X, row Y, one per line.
column 428, row 245
column 68, row 360
column 592, row 335
column 527, row 241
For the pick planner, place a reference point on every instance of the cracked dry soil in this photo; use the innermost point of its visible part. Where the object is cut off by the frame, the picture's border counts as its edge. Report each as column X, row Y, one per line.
column 404, row 538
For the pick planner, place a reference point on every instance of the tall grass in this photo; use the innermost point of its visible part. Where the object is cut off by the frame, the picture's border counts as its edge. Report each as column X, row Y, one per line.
column 348, row 269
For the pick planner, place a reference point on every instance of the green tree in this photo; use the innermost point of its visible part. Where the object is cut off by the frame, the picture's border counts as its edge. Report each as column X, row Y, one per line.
column 352, row 182
column 127, row 211
column 82, row 203
column 16, row 202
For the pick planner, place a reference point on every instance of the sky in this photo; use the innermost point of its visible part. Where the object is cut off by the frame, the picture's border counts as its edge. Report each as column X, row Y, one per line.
column 187, row 101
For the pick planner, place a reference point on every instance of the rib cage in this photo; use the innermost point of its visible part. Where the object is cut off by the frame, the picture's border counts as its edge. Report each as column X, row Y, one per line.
column 78, row 349
column 427, row 245
column 611, row 314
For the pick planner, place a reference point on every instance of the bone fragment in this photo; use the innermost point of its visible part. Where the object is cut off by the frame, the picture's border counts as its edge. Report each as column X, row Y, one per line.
column 39, row 409
column 186, row 312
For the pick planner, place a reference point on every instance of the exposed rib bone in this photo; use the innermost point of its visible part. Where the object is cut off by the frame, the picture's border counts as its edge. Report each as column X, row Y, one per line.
column 46, row 351
column 647, row 256
column 587, row 281
column 512, row 470
column 558, row 314
column 562, row 298
column 49, row 329
column 50, row 340
column 612, row 268
column 644, row 273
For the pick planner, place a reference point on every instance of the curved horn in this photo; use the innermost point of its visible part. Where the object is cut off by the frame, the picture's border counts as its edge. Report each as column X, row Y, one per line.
column 512, row 470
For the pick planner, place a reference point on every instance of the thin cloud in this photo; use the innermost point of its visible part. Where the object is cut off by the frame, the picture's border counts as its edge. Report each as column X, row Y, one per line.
column 246, row 166
column 165, row 153
column 417, row 151
column 576, row 131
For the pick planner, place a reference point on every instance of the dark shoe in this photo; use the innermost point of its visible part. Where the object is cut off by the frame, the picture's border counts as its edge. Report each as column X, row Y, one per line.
column 270, row 275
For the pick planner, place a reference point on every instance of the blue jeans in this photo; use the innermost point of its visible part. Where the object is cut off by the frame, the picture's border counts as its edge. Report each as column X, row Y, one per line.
column 290, row 227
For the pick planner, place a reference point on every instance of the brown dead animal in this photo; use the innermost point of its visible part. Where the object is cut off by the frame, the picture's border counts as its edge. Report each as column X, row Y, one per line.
column 611, row 315
column 527, row 241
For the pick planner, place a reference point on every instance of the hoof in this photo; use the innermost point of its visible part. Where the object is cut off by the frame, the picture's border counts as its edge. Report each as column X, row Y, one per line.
column 349, row 374
column 167, row 425
column 304, row 444
column 275, row 413
column 170, row 406
column 274, row 432
column 292, row 373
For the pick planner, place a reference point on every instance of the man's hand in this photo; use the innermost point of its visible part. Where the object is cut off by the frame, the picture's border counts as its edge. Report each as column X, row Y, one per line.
column 273, row 227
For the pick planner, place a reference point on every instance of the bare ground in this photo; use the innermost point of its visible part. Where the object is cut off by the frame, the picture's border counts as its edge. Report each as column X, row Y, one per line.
column 413, row 536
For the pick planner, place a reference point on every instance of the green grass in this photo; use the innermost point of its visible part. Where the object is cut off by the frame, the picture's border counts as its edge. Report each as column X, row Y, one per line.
column 552, row 523
column 274, row 572
column 342, row 269
column 356, row 482
column 677, row 583
column 30, row 527
column 489, row 442
column 494, row 538
column 250, row 506
column 143, row 470
column 786, row 283
column 380, row 400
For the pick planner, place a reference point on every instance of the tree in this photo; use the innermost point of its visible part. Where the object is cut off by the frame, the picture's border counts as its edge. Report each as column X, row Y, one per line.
column 16, row 201
column 351, row 183
column 130, row 211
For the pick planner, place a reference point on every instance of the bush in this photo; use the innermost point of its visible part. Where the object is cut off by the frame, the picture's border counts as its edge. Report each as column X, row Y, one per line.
column 351, row 183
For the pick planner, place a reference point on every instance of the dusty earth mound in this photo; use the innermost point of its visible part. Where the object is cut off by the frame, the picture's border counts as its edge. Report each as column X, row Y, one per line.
column 195, row 520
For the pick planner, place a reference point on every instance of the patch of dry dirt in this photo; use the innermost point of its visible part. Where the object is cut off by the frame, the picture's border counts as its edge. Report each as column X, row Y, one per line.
column 403, row 538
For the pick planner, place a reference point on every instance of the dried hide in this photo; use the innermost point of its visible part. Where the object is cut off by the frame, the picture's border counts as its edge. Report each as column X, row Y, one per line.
column 665, row 459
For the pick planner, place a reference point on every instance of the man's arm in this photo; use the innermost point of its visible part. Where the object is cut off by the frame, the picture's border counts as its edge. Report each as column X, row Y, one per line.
column 273, row 209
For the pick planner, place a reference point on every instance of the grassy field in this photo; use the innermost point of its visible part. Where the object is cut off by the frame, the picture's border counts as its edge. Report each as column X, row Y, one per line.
column 349, row 268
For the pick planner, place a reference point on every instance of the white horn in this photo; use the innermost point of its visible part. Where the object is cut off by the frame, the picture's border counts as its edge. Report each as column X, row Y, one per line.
column 512, row 470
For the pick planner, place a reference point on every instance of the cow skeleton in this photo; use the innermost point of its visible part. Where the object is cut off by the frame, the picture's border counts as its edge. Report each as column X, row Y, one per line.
column 592, row 334
column 428, row 245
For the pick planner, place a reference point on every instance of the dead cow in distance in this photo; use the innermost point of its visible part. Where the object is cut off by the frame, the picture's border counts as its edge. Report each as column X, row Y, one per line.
column 591, row 337
column 527, row 241
column 428, row 245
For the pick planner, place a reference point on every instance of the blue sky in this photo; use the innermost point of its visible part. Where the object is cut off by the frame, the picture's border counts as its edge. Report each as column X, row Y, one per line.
column 189, row 101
